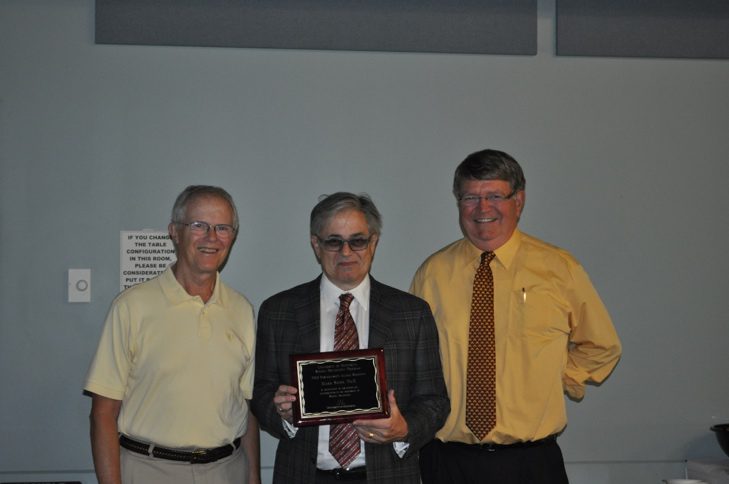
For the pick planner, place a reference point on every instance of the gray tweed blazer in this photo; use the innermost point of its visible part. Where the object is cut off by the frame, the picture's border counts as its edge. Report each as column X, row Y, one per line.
column 400, row 323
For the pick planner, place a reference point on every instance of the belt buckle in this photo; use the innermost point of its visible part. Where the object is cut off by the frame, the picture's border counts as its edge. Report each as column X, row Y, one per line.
column 347, row 473
column 198, row 455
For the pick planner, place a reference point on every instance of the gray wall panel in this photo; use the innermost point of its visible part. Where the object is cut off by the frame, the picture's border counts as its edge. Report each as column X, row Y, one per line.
column 463, row 26
column 643, row 28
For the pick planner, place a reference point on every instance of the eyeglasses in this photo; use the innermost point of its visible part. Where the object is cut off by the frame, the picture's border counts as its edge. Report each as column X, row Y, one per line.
column 474, row 200
column 199, row 227
column 335, row 244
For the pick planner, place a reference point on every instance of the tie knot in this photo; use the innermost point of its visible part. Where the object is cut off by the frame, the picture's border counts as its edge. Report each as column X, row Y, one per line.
column 487, row 257
column 345, row 300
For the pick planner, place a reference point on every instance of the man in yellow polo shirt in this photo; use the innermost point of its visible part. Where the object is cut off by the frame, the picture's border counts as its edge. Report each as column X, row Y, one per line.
column 173, row 372
column 549, row 334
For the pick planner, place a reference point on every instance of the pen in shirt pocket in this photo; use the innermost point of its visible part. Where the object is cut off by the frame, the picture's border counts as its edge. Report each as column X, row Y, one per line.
column 523, row 295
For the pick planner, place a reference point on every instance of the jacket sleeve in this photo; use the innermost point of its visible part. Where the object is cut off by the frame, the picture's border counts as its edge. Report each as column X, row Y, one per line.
column 270, row 373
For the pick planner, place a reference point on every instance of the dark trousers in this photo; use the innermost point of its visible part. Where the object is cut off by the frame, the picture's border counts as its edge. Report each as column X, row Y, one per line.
column 447, row 463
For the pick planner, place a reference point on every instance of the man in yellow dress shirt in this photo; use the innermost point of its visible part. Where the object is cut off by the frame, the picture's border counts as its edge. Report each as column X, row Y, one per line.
column 552, row 334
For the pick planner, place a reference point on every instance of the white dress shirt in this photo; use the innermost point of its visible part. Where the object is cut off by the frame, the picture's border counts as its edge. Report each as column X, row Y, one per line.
column 329, row 307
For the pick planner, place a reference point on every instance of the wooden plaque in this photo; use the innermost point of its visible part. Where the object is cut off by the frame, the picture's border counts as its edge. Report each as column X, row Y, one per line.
column 339, row 386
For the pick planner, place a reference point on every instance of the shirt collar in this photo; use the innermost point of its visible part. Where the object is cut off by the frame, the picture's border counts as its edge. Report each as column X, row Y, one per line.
column 504, row 254
column 176, row 294
column 507, row 252
column 330, row 293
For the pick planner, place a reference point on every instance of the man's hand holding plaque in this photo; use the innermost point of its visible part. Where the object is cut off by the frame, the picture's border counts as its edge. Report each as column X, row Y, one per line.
column 384, row 430
column 283, row 400
column 375, row 431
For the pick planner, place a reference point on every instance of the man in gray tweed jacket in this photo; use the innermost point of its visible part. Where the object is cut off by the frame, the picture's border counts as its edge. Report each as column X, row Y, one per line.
column 345, row 229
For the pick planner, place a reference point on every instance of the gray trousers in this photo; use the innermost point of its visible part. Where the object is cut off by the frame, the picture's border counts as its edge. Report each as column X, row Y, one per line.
column 142, row 469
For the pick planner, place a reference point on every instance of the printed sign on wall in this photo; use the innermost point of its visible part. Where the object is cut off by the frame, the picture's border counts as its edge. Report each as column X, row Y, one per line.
column 144, row 254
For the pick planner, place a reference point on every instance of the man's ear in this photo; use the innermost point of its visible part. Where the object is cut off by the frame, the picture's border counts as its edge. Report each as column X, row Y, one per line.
column 172, row 230
column 375, row 239
column 520, row 198
column 315, row 247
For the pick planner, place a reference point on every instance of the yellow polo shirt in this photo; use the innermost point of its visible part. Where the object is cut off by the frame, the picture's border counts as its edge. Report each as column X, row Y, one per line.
column 553, row 334
column 182, row 368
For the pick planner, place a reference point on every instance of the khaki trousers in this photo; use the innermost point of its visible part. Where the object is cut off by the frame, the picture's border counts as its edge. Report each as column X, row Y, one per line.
column 143, row 469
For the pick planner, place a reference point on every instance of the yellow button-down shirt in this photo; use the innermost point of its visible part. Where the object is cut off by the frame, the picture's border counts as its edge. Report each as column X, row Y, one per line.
column 553, row 334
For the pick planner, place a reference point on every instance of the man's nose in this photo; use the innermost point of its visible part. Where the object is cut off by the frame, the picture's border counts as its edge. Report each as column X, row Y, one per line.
column 346, row 249
column 484, row 203
column 212, row 233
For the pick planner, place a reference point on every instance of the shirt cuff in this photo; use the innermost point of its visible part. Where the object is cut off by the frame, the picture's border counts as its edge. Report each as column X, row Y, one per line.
column 289, row 428
column 400, row 448
column 574, row 382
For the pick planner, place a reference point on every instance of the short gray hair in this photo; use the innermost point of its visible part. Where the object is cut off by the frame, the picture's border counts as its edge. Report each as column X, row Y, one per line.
column 330, row 205
column 194, row 192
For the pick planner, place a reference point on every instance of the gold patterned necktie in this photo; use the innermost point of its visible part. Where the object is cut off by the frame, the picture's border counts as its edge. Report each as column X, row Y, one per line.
column 343, row 439
column 481, row 373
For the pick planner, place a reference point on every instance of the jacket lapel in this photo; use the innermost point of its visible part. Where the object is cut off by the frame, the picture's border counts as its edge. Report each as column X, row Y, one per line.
column 380, row 334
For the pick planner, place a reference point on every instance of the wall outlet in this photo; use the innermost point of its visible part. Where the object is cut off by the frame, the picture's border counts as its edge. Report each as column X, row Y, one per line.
column 79, row 285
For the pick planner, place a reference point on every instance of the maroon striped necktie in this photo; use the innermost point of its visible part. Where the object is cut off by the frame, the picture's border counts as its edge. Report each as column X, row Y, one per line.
column 343, row 438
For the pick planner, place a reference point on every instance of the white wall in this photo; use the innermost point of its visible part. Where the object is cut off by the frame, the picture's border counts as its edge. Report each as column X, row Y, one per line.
column 626, row 165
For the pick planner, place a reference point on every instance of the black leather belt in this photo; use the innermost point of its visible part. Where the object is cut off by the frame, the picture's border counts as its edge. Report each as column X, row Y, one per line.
column 341, row 474
column 197, row 456
column 490, row 447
